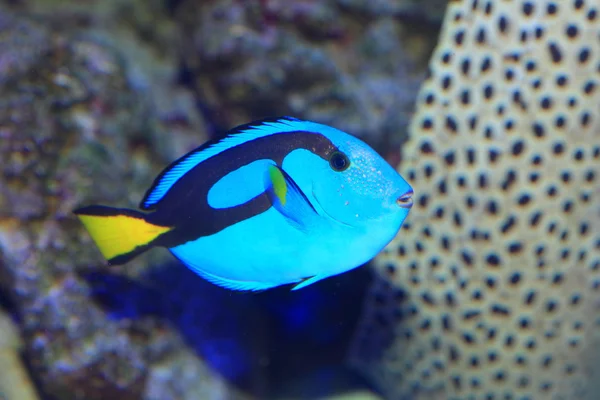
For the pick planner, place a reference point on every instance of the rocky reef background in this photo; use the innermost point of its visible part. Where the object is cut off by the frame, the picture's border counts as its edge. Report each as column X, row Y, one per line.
column 95, row 98
column 493, row 277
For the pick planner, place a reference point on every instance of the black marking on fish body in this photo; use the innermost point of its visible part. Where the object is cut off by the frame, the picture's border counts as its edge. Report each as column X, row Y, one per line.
column 185, row 205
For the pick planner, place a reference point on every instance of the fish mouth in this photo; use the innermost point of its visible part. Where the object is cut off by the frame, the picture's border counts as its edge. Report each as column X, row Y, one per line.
column 406, row 200
column 323, row 211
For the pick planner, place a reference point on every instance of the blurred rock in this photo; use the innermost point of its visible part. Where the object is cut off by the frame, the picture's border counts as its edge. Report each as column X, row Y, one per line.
column 76, row 127
column 15, row 383
column 314, row 60
column 419, row 9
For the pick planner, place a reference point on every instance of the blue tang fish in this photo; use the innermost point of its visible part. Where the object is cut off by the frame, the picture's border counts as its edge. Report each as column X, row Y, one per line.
column 275, row 202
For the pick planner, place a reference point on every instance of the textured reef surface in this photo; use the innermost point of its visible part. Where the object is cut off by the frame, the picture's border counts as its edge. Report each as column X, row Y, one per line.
column 492, row 290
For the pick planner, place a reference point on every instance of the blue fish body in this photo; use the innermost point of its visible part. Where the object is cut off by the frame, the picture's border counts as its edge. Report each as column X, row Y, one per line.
column 275, row 202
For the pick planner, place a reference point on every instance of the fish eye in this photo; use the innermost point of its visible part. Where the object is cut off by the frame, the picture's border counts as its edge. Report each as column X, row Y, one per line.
column 339, row 161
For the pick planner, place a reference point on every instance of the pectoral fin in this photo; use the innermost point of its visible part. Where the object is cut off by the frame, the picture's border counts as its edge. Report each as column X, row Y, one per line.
column 287, row 198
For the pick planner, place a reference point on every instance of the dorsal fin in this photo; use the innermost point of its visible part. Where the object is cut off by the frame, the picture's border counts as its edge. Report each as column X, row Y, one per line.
column 239, row 135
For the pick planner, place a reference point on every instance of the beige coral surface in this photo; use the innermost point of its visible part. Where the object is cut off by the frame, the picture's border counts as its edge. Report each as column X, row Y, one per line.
column 492, row 288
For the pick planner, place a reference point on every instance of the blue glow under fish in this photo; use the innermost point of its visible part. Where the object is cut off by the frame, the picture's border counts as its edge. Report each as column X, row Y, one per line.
column 274, row 202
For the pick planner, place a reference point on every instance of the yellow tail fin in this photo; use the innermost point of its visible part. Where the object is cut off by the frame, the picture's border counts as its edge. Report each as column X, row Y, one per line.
column 119, row 233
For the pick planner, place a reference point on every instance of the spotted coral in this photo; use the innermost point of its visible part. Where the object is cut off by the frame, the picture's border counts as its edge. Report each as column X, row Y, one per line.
column 492, row 288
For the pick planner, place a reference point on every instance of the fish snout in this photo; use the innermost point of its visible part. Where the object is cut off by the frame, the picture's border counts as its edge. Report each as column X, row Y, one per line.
column 406, row 200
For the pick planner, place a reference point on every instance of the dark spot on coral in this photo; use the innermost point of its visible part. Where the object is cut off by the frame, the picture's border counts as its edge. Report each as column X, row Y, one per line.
column 447, row 57
column 562, row 80
column 442, row 186
column 575, row 299
column 583, row 229
column 486, row 64
column 451, row 124
column 500, row 310
column 493, row 155
column 427, row 123
column 515, row 247
column 584, row 55
column 492, row 207
column 523, row 36
column 467, row 257
column 445, row 243
column 493, row 259
column 465, row 66
column 454, row 354
column 482, row 180
column 426, row 148
column 503, row 24
column 524, row 199
column 530, row 297
column 555, row 52
column 401, row 251
column 546, row 103
column 449, row 158
column 488, row 92
column 471, row 201
column 558, row 148
column 470, row 155
column 428, row 170
column 518, row 147
column 535, row 218
column 590, row 176
column 533, row 177
column 539, row 32
column 465, row 97
column 589, row 87
column 446, row 322
column 450, row 299
column 572, row 31
column 511, row 177
column 439, row 212
column 527, row 8
column 572, row 102
column 538, row 129
column 585, row 119
column 459, row 38
column 430, row 98
column 446, row 82
column 558, row 278
column 508, row 225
